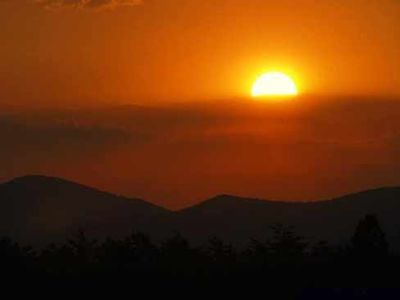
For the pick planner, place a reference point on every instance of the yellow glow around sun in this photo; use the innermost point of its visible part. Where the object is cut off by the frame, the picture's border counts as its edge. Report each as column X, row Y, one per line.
column 274, row 84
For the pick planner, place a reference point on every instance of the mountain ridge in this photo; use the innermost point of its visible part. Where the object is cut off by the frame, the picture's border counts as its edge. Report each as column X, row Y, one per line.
column 230, row 197
column 31, row 180
column 35, row 207
column 44, row 208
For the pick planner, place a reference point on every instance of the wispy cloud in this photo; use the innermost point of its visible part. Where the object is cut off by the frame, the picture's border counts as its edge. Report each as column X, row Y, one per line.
column 89, row 4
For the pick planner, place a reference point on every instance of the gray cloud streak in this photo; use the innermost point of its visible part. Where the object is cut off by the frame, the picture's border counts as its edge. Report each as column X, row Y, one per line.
column 90, row 4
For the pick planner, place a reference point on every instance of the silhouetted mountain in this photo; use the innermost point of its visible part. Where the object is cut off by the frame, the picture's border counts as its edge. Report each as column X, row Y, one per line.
column 236, row 219
column 35, row 208
column 38, row 208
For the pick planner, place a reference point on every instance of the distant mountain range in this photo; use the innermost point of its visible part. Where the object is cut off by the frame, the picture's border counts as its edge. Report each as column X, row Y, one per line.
column 39, row 209
column 44, row 208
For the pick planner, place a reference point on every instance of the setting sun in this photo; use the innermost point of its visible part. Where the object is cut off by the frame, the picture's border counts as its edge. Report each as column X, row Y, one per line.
column 274, row 84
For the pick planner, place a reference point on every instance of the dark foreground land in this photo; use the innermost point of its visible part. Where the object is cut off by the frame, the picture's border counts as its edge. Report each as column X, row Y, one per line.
column 224, row 247
column 283, row 266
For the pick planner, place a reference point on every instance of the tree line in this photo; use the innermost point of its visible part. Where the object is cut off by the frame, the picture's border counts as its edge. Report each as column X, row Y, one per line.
column 284, row 259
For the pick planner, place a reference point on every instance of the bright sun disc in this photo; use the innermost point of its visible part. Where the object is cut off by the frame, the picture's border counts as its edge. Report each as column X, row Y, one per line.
column 274, row 84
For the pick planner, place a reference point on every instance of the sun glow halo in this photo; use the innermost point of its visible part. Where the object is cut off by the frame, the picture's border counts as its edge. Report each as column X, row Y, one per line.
column 274, row 84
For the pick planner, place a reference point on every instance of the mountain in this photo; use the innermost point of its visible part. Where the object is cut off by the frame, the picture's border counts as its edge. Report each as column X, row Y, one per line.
column 238, row 219
column 39, row 208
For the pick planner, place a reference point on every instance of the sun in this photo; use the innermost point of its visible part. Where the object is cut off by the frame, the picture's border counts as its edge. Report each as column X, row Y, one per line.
column 274, row 84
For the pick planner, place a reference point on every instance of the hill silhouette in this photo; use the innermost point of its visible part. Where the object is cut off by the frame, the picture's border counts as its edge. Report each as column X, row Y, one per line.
column 237, row 219
column 39, row 209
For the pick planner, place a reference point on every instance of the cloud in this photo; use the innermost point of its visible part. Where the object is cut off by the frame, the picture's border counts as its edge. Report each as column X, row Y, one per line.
column 90, row 4
column 30, row 138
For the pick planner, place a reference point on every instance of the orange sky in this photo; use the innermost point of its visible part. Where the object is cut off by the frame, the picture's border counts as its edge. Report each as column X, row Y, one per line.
column 183, row 70
column 177, row 50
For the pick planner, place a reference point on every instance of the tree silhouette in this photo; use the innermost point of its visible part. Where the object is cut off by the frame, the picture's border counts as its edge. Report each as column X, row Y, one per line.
column 369, row 240
column 176, row 251
column 13, row 256
column 285, row 245
column 144, row 251
column 222, row 255
column 285, row 258
column 83, row 249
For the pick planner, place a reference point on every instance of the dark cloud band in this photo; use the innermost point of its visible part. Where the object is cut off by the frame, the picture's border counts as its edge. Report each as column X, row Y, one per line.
column 57, row 4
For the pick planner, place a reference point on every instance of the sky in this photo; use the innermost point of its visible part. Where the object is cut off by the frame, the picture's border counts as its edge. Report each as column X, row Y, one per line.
column 151, row 98
column 82, row 52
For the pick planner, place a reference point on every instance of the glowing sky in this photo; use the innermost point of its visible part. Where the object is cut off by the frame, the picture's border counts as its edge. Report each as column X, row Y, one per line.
column 186, row 68
column 137, row 51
